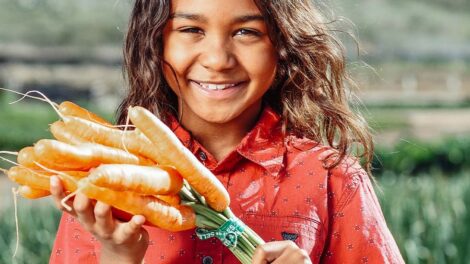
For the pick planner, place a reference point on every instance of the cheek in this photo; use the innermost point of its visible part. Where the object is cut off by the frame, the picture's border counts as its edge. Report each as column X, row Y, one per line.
column 261, row 64
column 177, row 63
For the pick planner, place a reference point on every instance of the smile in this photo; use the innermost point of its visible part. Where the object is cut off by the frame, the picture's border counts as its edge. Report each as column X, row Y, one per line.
column 213, row 86
column 219, row 90
column 216, row 86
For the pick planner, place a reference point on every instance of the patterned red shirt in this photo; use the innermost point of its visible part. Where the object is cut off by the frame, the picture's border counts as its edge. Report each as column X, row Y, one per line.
column 279, row 187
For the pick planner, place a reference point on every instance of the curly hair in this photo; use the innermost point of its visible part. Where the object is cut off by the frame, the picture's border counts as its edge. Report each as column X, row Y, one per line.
column 309, row 90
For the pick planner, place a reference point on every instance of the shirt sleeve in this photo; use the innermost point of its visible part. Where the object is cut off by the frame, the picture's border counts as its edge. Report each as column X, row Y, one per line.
column 73, row 244
column 357, row 231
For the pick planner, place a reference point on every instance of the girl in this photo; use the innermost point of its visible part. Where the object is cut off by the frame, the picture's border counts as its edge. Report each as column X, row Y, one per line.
column 255, row 89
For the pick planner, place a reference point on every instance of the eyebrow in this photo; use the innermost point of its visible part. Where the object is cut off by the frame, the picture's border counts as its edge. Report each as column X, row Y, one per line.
column 200, row 18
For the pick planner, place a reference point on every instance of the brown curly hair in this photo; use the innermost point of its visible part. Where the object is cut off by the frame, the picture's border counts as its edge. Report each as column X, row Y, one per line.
column 309, row 90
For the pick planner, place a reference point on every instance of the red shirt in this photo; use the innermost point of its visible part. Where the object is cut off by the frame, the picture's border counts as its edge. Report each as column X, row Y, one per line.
column 279, row 187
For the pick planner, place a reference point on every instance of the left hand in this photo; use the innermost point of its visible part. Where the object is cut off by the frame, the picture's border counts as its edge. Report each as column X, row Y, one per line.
column 280, row 252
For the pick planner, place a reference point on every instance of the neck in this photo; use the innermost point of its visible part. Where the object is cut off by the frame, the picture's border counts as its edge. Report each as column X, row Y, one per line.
column 221, row 138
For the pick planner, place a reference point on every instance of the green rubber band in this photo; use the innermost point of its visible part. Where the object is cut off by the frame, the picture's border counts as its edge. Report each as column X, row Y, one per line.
column 227, row 233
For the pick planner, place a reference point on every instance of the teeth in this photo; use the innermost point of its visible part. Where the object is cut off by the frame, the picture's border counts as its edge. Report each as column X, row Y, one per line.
column 211, row 86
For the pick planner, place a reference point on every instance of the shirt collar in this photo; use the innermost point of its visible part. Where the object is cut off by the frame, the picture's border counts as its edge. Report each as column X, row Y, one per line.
column 263, row 144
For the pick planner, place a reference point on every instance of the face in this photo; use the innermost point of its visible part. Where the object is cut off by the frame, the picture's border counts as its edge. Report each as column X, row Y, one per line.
column 222, row 57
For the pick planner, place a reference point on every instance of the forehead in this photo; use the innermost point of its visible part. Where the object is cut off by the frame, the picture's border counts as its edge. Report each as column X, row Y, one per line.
column 211, row 8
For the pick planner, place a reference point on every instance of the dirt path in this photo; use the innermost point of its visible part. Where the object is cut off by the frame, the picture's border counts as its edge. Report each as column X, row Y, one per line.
column 428, row 124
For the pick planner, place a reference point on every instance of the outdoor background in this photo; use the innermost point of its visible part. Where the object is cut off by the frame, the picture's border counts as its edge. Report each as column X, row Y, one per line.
column 414, row 83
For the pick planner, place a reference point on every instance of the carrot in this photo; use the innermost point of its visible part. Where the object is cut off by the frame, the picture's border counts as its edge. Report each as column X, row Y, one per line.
column 32, row 193
column 70, row 109
column 170, row 199
column 140, row 179
column 168, row 150
column 60, row 133
column 64, row 156
column 157, row 212
column 133, row 141
column 38, row 179
column 26, row 158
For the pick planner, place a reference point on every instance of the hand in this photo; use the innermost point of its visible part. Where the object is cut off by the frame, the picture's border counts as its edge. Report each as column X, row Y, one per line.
column 280, row 252
column 122, row 242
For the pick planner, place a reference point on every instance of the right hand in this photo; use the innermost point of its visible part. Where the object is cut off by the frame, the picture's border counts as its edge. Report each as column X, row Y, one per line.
column 122, row 242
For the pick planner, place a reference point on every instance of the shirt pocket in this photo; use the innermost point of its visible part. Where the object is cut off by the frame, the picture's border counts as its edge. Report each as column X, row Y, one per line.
column 304, row 231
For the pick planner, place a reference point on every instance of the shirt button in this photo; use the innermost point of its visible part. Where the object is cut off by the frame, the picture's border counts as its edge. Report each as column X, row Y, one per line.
column 202, row 155
column 207, row 260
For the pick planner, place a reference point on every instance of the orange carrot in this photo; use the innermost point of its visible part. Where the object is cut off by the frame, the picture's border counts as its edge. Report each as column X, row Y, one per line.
column 39, row 180
column 60, row 133
column 157, row 212
column 168, row 150
column 70, row 109
column 140, row 179
column 133, row 141
column 32, row 193
column 81, row 157
column 26, row 158
column 170, row 199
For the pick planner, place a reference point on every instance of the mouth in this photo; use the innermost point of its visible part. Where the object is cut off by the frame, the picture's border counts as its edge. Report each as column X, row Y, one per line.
column 212, row 86
column 220, row 90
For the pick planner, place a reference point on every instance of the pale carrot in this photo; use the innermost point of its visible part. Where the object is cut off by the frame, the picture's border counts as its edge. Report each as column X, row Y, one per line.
column 140, row 179
column 82, row 157
column 60, row 133
column 133, row 141
column 39, row 180
column 32, row 193
column 168, row 150
column 71, row 109
column 157, row 212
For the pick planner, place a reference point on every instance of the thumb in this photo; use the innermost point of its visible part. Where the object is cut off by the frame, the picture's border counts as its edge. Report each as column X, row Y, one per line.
column 270, row 251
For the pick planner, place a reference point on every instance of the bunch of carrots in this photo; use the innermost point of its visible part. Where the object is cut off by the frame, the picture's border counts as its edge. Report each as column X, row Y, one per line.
column 146, row 171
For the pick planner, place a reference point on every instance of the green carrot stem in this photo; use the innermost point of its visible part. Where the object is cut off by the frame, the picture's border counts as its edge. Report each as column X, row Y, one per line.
column 202, row 221
column 185, row 194
column 201, row 198
column 249, row 246
column 209, row 213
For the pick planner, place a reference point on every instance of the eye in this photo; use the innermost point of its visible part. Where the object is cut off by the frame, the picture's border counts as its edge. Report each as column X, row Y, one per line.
column 248, row 32
column 191, row 30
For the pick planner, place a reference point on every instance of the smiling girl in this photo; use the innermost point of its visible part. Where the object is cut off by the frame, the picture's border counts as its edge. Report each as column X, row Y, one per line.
column 256, row 90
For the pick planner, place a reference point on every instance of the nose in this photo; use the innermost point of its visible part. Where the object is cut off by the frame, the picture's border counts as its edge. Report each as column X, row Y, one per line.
column 217, row 55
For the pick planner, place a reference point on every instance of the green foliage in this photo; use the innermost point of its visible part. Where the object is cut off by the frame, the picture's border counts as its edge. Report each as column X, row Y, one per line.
column 38, row 221
column 22, row 123
column 25, row 122
column 58, row 22
column 429, row 217
column 444, row 156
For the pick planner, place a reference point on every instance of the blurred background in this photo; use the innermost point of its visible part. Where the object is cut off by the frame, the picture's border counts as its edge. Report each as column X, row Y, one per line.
column 412, row 69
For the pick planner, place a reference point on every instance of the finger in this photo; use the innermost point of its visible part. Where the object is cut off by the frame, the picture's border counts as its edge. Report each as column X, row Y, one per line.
column 83, row 207
column 270, row 251
column 131, row 230
column 57, row 193
column 293, row 255
column 104, row 221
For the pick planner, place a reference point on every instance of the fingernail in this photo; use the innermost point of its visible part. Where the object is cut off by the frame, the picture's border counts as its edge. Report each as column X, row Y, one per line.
column 139, row 219
column 54, row 182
